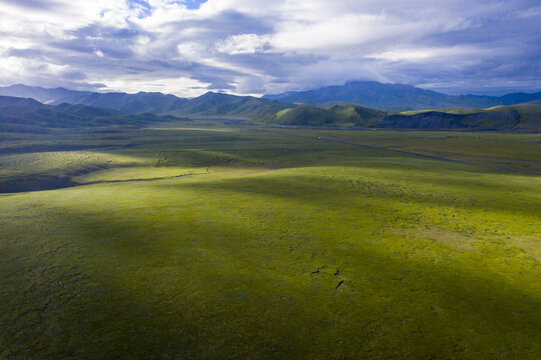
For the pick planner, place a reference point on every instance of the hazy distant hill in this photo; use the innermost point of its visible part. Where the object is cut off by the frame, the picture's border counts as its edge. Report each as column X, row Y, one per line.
column 29, row 115
column 46, row 96
column 128, row 103
column 396, row 97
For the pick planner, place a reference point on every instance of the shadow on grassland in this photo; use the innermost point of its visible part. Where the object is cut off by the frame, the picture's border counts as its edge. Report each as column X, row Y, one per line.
column 182, row 288
column 33, row 182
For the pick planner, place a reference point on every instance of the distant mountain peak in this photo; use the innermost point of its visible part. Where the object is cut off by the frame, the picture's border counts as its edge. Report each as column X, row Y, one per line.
column 396, row 97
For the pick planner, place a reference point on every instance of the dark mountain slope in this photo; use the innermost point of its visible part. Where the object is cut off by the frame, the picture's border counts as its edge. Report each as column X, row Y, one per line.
column 9, row 101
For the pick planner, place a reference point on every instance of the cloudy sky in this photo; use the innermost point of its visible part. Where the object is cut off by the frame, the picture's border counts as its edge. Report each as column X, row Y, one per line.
column 260, row 46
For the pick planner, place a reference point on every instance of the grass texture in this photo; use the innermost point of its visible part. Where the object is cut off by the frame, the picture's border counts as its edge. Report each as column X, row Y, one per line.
column 251, row 243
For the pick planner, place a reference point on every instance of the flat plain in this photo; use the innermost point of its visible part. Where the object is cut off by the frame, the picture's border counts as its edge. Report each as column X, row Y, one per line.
column 212, row 241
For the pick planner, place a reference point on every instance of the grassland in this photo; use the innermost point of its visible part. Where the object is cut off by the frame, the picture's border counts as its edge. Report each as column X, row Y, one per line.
column 520, row 151
column 215, row 242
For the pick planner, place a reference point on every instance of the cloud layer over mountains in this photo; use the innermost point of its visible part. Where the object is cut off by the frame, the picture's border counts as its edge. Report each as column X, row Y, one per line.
column 259, row 46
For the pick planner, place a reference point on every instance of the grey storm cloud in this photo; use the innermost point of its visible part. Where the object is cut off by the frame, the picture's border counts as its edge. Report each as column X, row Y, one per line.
column 190, row 47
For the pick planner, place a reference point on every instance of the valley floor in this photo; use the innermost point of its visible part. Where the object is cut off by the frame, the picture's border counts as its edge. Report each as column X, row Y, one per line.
column 232, row 242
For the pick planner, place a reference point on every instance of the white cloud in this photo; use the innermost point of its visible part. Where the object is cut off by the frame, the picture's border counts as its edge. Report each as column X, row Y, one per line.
column 533, row 12
column 13, row 69
column 243, row 44
column 334, row 33
column 423, row 54
column 262, row 45
column 191, row 50
column 133, row 84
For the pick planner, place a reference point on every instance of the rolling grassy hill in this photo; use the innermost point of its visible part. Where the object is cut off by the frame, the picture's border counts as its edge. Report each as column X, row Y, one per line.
column 520, row 117
column 334, row 115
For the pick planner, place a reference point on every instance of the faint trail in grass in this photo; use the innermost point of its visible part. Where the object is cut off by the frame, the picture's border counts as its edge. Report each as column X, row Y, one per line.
column 137, row 180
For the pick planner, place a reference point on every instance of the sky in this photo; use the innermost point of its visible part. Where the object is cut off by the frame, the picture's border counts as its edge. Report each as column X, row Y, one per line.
column 253, row 47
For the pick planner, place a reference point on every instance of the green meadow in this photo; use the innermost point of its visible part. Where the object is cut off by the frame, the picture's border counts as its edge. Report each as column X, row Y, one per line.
column 207, row 241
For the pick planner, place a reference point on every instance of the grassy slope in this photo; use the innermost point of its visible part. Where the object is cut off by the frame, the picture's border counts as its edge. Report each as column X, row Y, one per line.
column 335, row 115
column 306, row 116
column 521, row 117
column 439, row 260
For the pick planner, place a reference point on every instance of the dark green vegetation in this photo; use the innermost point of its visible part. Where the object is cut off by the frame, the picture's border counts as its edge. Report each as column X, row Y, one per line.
column 201, row 241
column 397, row 97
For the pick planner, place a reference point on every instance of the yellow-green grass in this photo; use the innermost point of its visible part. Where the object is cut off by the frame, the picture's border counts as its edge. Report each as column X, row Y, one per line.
column 275, row 247
column 521, row 151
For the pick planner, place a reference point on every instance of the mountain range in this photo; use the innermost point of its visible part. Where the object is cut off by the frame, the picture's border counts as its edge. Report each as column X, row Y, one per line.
column 68, row 108
column 388, row 97
column 208, row 105
column 396, row 97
